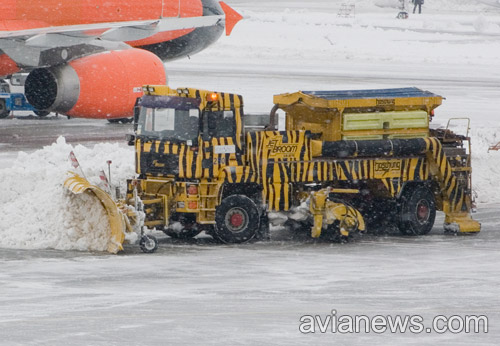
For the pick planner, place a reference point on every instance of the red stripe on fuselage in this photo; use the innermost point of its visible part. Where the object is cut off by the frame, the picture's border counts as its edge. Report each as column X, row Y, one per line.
column 30, row 14
column 73, row 12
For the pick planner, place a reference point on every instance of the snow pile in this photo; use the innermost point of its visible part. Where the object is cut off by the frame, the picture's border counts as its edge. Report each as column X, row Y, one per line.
column 85, row 227
column 483, row 25
column 485, row 165
column 38, row 213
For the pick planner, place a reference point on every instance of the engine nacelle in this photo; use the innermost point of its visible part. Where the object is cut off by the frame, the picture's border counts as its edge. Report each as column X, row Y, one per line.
column 104, row 85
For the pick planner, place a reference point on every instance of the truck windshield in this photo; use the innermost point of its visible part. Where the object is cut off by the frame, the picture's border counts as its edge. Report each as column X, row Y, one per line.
column 169, row 123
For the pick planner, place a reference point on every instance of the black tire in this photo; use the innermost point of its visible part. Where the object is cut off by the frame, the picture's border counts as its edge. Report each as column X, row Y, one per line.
column 4, row 112
column 41, row 114
column 381, row 216
column 148, row 244
column 237, row 219
column 416, row 211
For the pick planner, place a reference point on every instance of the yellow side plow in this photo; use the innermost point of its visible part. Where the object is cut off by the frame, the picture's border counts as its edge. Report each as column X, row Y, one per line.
column 118, row 221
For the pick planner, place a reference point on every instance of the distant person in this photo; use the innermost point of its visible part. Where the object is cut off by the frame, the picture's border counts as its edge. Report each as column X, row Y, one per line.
column 418, row 3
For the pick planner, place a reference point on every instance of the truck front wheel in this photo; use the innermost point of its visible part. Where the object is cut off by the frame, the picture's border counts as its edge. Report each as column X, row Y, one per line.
column 237, row 219
column 417, row 211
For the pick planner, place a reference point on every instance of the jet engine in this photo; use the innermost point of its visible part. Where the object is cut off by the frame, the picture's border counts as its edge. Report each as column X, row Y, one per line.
column 104, row 85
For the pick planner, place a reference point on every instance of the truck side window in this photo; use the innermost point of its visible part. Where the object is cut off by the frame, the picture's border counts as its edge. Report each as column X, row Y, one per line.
column 211, row 131
column 220, row 124
column 227, row 124
column 149, row 120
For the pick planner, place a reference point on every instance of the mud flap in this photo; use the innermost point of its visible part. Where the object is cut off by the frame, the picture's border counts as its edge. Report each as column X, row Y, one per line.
column 117, row 221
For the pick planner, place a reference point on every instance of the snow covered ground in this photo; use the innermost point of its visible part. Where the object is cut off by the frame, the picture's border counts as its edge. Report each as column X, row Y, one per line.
column 203, row 293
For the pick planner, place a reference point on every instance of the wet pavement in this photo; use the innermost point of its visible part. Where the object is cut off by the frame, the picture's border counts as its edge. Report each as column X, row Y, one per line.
column 28, row 133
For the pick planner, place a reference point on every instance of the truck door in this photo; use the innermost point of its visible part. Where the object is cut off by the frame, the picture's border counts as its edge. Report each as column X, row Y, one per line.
column 219, row 135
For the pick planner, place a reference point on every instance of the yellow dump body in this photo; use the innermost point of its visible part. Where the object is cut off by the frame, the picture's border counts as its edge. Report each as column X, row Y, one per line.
column 360, row 114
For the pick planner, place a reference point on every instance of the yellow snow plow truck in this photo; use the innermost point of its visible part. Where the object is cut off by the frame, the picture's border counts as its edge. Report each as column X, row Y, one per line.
column 350, row 160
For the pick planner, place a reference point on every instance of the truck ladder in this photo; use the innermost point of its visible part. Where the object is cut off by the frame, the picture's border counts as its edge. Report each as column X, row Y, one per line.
column 456, row 193
column 209, row 193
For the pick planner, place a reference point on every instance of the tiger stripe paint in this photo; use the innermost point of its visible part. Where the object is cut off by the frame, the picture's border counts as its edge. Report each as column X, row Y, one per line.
column 453, row 191
column 307, row 170
column 276, row 174
column 282, row 163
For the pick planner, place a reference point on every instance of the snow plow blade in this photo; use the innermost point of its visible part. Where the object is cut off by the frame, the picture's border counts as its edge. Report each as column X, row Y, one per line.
column 117, row 223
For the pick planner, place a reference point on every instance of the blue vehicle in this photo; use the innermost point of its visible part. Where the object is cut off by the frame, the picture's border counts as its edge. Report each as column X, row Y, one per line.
column 14, row 102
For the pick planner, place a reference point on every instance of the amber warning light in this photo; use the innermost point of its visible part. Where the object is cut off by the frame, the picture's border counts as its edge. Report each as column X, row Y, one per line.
column 212, row 97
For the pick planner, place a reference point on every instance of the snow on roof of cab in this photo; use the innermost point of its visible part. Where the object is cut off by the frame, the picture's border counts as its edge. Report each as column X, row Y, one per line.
column 370, row 93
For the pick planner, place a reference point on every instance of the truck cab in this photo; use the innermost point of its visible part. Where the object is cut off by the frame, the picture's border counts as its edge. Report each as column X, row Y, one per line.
column 185, row 139
column 188, row 133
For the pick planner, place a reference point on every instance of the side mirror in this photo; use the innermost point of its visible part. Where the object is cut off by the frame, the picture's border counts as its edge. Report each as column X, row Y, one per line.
column 130, row 138
column 137, row 112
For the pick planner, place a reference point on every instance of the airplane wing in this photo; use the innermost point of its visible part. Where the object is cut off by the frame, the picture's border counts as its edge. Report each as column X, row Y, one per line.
column 26, row 47
column 111, row 31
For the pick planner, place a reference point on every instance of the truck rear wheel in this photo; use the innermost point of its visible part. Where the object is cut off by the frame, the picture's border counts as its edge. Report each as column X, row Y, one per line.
column 417, row 211
column 237, row 219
